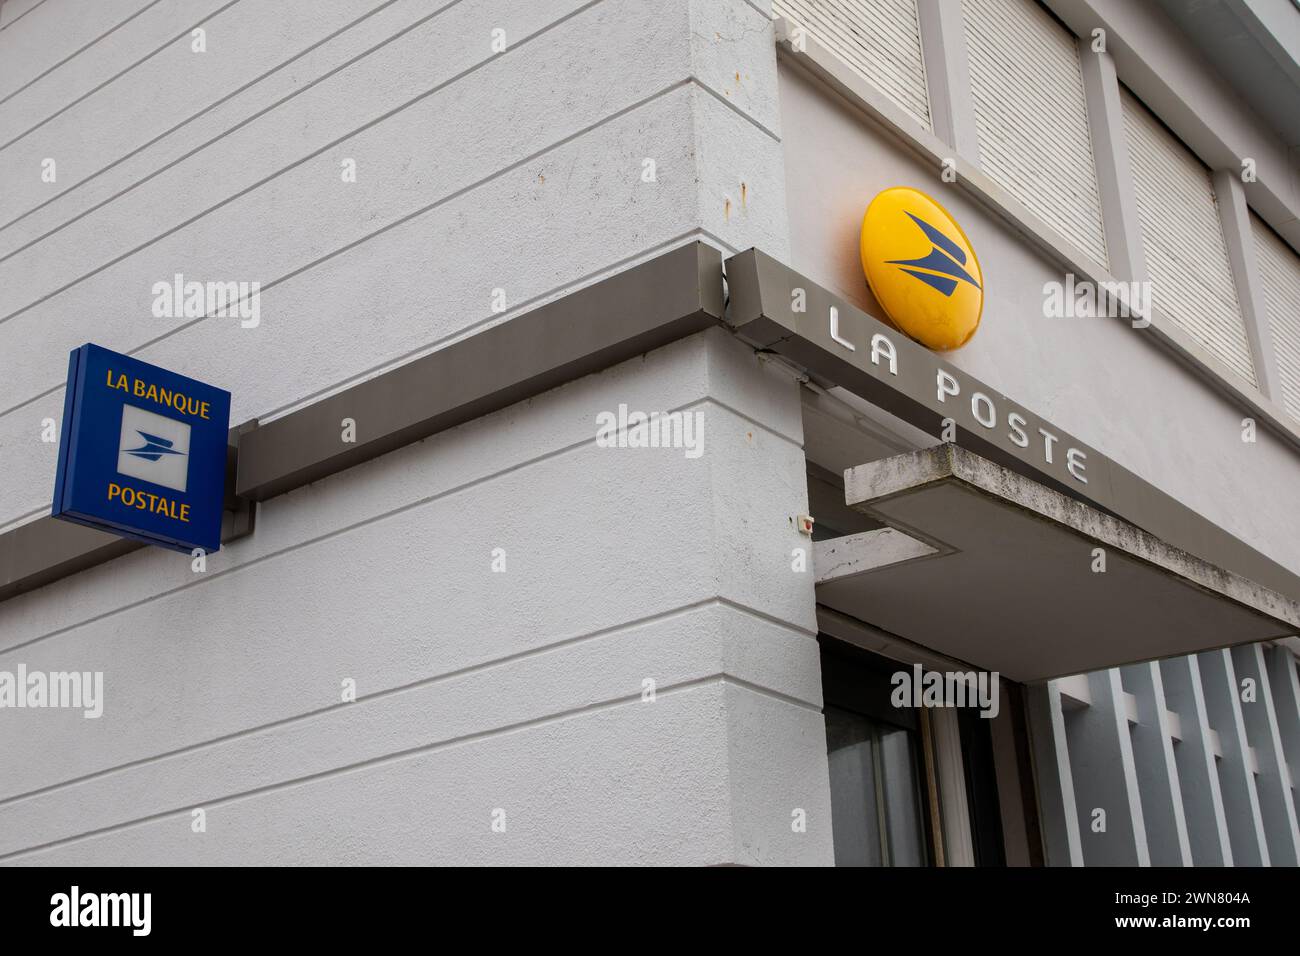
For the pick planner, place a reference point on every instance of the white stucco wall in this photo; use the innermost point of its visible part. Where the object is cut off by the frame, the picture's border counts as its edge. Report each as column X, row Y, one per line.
column 476, row 690
column 519, row 690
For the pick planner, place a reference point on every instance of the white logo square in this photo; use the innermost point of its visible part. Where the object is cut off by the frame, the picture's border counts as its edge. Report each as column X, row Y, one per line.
column 154, row 448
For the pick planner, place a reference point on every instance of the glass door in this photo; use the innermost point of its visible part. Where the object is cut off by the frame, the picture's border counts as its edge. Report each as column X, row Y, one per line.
column 876, row 801
column 879, row 802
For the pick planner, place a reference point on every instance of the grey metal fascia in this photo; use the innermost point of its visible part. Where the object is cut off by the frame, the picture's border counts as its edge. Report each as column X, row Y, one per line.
column 639, row 309
column 635, row 311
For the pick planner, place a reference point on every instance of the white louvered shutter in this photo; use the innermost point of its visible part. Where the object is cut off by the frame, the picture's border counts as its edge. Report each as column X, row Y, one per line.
column 879, row 39
column 1030, row 116
column 1182, row 240
column 1279, row 274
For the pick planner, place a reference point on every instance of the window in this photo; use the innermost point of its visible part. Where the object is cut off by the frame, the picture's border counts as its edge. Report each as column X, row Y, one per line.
column 1031, row 120
column 879, row 808
column 1279, row 275
column 909, row 786
column 1182, row 240
column 879, row 39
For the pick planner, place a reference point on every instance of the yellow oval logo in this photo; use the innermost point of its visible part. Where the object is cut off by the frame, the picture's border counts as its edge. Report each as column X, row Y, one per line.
column 921, row 268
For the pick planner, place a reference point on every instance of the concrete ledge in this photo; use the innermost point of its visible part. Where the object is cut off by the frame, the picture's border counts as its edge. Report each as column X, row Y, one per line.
column 859, row 553
column 1014, row 584
column 867, row 486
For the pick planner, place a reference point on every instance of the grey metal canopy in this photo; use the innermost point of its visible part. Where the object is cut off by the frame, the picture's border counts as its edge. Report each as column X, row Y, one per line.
column 995, row 569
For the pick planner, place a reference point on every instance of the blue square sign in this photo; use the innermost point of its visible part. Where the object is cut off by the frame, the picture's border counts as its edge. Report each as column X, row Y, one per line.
column 142, row 453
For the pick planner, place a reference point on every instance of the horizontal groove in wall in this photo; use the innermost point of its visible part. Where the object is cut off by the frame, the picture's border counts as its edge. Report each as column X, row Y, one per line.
column 275, row 174
column 179, row 37
column 16, row 11
column 320, row 538
column 32, row 43
column 72, row 191
column 73, row 203
column 401, row 221
column 416, row 751
column 559, row 644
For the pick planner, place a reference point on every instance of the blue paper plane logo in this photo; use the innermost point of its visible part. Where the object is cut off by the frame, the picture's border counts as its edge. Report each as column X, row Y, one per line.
column 153, row 448
column 942, row 268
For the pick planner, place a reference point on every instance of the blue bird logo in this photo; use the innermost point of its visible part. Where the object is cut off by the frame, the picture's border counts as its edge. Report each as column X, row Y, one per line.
column 946, row 258
column 153, row 448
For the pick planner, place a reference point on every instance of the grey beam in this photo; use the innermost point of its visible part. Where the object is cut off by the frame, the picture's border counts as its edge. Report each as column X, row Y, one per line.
column 635, row 311
column 950, row 771
column 47, row 549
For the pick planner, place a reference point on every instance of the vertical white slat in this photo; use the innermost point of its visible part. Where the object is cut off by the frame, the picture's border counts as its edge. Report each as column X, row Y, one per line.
column 1186, row 256
column 1279, row 276
column 879, row 39
column 1060, row 818
column 958, row 845
column 1234, row 218
column 1105, row 776
column 1198, row 772
column 1031, row 116
column 1284, row 681
column 1272, row 782
column 1114, row 175
column 947, row 77
column 1157, row 771
column 1236, row 776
